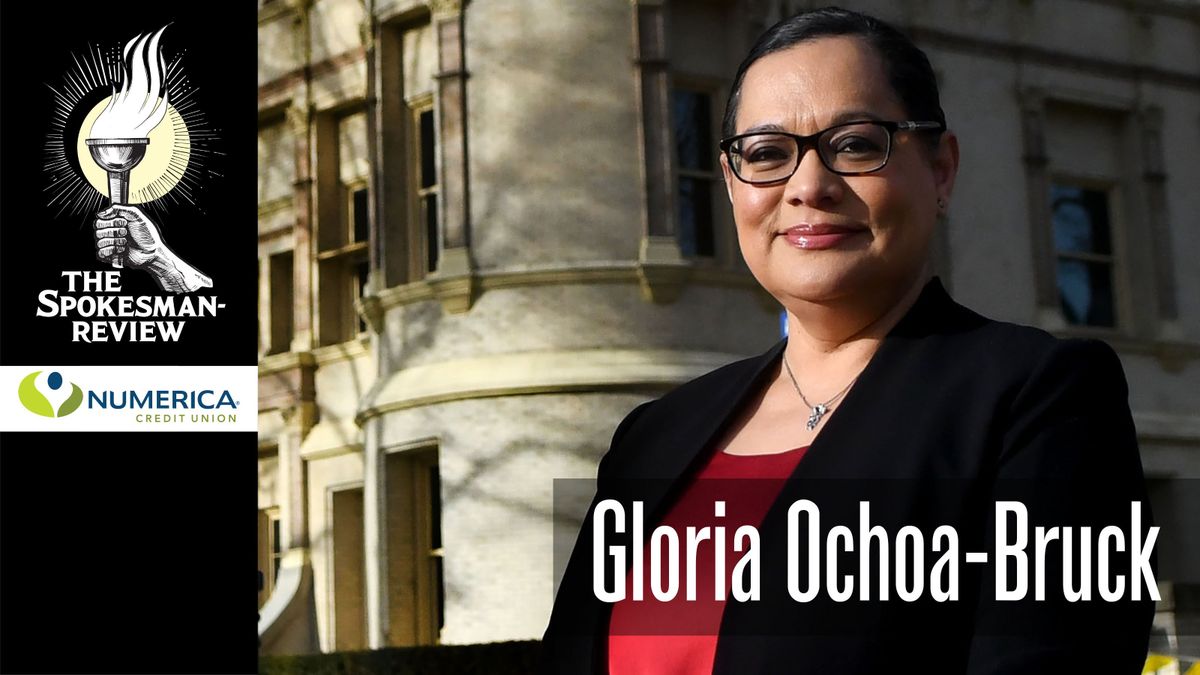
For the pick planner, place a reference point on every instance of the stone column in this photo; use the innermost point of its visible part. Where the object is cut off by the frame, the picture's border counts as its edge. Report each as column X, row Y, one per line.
column 293, row 497
column 1037, row 187
column 661, row 267
column 374, row 535
column 1154, row 179
column 300, row 123
column 454, row 280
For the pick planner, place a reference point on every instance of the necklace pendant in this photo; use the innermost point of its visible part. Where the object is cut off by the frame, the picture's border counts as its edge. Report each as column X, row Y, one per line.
column 814, row 419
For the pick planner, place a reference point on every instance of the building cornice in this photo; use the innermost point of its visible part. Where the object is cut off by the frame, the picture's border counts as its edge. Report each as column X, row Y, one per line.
column 276, row 363
column 543, row 372
column 1026, row 53
column 595, row 272
column 342, row 351
column 277, row 91
column 1178, row 9
column 270, row 11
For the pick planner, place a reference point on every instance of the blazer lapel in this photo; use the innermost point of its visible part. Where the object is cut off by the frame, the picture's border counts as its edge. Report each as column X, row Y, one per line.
column 673, row 456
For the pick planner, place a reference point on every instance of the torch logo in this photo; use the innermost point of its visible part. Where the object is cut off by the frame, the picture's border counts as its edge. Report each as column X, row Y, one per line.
column 121, row 134
column 139, row 146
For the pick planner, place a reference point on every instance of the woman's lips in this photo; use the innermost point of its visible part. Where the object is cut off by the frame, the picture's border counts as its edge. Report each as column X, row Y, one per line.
column 820, row 235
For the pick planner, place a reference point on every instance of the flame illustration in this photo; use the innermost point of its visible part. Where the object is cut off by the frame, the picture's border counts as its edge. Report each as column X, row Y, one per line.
column 142, row 102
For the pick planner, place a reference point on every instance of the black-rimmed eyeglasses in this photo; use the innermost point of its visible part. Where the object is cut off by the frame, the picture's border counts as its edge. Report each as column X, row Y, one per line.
column 848, row 149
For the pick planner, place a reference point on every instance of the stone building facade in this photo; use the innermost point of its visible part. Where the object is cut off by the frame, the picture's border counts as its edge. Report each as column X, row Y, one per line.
column 488, row 229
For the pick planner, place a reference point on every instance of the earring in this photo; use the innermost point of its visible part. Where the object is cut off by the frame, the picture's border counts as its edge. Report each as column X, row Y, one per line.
column 941, row 203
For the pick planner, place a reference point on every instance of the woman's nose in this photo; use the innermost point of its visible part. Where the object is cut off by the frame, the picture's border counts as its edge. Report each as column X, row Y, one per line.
column 813, row 184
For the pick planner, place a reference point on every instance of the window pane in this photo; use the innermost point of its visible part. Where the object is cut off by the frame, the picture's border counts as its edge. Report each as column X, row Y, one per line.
column 360, row 278
column 276, row 163
column 428, row 147
column 264, row 344
column 1085, row 290
column 695, row 217
column 361, row 215
column 429, row 206
column 282, row 304
column 441, row 594
column 352, row 141
column 693, row 137
column 435, row 508
column 1080, row 218
column 276, row 550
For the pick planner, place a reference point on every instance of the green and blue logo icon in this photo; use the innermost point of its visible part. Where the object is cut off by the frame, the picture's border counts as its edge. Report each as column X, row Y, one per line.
column 51, row 396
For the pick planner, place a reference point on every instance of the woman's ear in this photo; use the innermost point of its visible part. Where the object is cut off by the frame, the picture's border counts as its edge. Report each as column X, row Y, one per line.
column 729, row 178
column 945, row 164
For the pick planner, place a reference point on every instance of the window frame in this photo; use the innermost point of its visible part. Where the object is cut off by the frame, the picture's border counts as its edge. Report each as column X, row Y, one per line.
column 724, row 243
column 432, row 594
column 268, row 344
column 337, row 264
column 1136, row 204
column 1118, row 267
column 270, row 550
column 340, row 641
column 408, row 485
column 418, row 261
column 350, row 188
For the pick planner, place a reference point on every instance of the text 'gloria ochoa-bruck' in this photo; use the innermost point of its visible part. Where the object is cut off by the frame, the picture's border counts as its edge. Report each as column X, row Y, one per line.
column 913, row 562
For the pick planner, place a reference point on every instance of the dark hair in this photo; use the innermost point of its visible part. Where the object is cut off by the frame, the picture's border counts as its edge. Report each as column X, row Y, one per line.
column 906, row 66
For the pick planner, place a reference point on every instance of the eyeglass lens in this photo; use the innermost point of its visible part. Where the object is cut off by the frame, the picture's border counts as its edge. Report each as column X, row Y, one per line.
column 769, row 157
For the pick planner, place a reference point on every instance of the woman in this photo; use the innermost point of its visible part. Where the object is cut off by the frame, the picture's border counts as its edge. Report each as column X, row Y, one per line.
column 838, row 163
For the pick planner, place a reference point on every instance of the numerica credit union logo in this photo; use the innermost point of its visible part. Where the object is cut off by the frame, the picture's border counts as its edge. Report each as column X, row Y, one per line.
column 48, row 394
column 140, row 398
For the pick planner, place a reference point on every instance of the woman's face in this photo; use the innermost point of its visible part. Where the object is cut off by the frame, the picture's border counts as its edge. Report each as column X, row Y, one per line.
column 882, row 223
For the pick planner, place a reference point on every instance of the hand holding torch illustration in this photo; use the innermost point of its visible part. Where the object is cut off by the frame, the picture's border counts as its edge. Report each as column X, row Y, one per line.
column 119, row 136
column 117, row 142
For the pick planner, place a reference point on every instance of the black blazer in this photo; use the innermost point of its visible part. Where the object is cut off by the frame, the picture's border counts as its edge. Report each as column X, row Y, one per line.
column 953, row 412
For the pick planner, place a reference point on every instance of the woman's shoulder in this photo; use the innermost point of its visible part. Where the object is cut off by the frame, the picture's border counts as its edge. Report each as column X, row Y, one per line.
column 696, row 401
column 731, row 381
column 953, row 336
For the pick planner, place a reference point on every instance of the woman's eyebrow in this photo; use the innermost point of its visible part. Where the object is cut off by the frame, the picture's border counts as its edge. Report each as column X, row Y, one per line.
column 852, row 115
column 764, row 127
column 844, row 116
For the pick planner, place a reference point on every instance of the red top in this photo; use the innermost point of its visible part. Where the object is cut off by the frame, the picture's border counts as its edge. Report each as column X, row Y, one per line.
column 680, row 636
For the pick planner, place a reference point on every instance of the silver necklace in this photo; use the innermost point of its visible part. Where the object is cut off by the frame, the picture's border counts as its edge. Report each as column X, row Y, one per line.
column 817, row 411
